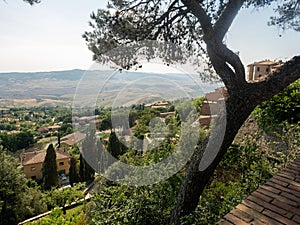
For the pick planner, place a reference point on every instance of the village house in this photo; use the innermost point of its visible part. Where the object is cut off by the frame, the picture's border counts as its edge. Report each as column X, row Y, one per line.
column 71, row 139
column 260, row 70
column 32, row 163
column 44, row 130
column 53, row 128
column 212, row 105
column 157, row 105
column 164, row 115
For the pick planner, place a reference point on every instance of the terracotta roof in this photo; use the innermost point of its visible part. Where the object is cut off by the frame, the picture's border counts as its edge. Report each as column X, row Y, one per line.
column 35, row 157
column 276, row 202
column 73, row 138
column 54, row 127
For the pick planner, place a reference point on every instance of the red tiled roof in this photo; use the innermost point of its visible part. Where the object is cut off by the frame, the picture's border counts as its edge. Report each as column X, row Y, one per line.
column 39, row 156
column 54, row 127
column 276, row 202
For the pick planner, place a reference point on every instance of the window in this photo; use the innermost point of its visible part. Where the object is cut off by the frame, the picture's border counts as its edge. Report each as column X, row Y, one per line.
column 33, row 177
column 32, row 168
column 257, row 69
column 61, row 163
column 267, row 70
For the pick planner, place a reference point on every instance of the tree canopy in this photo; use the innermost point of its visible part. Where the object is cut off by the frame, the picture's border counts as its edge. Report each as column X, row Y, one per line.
column 17, row 200
column 185, row 23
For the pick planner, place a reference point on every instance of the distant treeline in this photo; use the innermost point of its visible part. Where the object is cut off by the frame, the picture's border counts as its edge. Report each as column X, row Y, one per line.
column 14, row 142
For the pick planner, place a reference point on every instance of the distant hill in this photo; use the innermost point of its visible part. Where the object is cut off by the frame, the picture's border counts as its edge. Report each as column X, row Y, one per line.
column 59, row 87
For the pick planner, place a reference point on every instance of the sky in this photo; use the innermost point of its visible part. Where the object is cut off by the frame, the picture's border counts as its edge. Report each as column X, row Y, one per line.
column 48, row 36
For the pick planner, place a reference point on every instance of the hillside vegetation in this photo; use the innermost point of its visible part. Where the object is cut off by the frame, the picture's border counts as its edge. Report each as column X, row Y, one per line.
column 268, row 141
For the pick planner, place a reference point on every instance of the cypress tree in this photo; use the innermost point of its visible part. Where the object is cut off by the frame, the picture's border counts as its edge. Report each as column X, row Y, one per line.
column 73, row 174
column 89, row 172
column 81, row 168
column 50, row 175
column 86, row 172
column 58, row 139
column 114, row 146
column 88, row 148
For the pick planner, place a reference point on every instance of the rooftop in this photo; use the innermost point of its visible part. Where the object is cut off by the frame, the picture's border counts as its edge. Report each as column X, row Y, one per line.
column 73, row 138
column 35, row 157
column 265, row 63
column 276, row 202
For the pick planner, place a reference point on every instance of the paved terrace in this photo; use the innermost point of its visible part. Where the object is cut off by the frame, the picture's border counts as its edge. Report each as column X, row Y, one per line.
column 276, row 202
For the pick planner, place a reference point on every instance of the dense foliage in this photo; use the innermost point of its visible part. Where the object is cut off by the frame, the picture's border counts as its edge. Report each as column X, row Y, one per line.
column 283, row 107
column 17, row 200
column 62, row 197
column 121, row 204
column 247, row 165
column 17, row 141
column 57, row 217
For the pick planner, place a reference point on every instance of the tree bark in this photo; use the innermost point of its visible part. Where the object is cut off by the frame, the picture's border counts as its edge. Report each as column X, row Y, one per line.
column 195, row 180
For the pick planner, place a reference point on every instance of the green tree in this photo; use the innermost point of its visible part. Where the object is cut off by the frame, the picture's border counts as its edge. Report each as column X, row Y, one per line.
column 58, row 139
column 191, row 24
column 89, row 172
column 17, row 200
column 12, row 185
column 81, row 168
column 282, row 107
column 86, row 172
column 114, row 146
column 121, row 204
column 50, row 174
column 73, row 173
column 89, row 147
column 62, row 197
column 17, row 141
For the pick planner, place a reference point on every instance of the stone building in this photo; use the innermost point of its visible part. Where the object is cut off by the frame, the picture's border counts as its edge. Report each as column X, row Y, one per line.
column 260, row 70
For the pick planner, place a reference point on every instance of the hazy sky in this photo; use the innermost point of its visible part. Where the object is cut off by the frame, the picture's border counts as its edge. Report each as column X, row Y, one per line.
column 47, row 36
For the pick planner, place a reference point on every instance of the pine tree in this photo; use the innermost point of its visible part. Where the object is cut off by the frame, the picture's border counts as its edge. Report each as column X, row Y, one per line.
column 196, row 28
column 73, row 174
column 50, row 175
